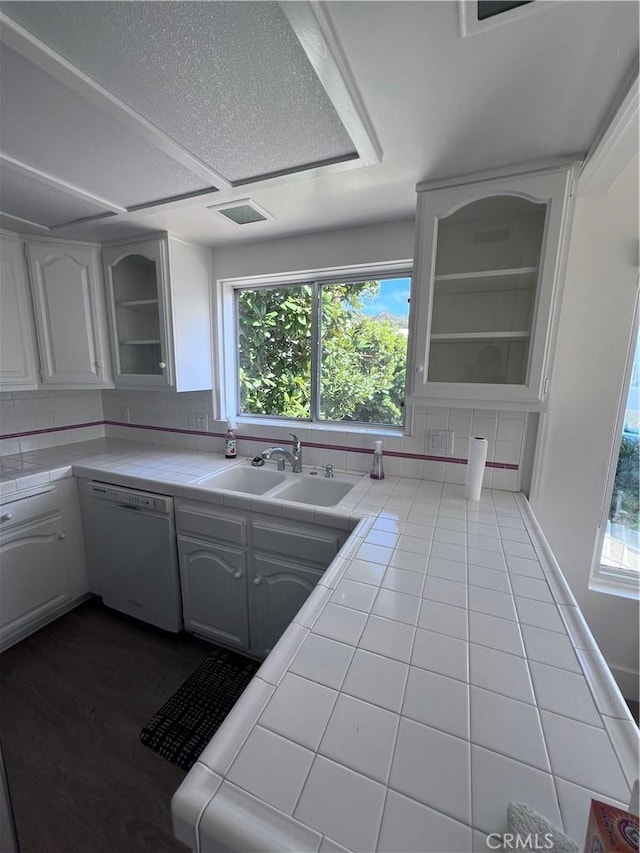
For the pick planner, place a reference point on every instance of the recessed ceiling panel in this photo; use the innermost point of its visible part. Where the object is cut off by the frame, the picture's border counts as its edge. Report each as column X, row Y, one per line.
column 47, row 125
column 228, row 80
column 28, row 198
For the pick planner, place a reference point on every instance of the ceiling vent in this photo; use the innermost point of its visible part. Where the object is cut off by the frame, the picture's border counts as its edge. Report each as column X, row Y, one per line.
column 478, row 16
column 491, row 8
column 242, row 212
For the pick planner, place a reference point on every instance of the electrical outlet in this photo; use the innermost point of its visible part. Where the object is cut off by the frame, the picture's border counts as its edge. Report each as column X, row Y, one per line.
column 440, row 442
column 197, row 422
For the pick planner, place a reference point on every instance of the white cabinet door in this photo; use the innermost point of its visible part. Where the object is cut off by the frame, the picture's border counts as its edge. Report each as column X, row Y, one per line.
column 33, row 577
column 18, row 357
column 486, row 287
column 277, row 590
column 136, row 276
column 214, row 591
column 67, row 297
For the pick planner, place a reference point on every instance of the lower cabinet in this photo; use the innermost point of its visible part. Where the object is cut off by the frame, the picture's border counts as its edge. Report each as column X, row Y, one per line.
column 214, row 591
column 244, row 576
column 42, row 571
column 277, row 590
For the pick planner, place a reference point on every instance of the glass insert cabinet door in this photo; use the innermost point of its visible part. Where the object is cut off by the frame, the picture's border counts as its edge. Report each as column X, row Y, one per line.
column 485, row 286
column 134, row 277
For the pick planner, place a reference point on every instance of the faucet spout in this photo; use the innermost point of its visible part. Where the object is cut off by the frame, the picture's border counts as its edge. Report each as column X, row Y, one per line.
column 295, row 458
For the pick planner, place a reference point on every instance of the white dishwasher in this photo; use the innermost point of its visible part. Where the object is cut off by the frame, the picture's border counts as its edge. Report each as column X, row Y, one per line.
column 132, row 561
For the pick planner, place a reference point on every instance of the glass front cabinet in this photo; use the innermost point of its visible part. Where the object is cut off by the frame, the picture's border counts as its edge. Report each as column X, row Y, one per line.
column 486, row 283
column 135, row 277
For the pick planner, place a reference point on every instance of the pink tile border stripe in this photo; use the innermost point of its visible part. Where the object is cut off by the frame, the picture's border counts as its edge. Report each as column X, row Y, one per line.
column 424, row 457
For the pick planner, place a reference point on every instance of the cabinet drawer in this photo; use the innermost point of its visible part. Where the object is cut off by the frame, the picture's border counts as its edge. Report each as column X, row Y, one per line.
column 211, row 523
column 302, row 544
column 27, row 508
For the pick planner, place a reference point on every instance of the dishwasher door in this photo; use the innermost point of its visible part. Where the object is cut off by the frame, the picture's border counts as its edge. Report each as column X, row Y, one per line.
column 132, row 561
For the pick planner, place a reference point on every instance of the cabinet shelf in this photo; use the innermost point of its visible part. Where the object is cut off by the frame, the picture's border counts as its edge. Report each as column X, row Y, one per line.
column 142, row 304
column 481, row 336
column 485, row 273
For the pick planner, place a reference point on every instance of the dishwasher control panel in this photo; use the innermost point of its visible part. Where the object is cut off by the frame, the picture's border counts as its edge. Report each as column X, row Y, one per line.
column 130, row 497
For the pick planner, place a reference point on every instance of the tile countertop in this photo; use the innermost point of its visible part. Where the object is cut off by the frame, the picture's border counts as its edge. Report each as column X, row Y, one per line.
column 440, row 670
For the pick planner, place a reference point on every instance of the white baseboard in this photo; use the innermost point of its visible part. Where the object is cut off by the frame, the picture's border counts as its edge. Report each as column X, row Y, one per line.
column 628, row 680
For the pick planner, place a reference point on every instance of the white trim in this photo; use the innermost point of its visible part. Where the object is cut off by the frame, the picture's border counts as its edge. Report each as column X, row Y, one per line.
column 536, row 168
column 471, row 26
column 24, row 221
column 53, row 63
column 605, row 578
column 225, row 322
column 57, row 183
column 615, row 144
column 311, row 23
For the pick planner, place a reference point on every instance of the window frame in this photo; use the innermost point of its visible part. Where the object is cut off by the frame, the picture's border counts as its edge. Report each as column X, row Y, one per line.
column 228, row 351
column 609, row 579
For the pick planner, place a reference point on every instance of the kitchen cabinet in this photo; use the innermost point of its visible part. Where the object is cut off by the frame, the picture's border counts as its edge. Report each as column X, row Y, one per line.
column 288, row 560
column 18, row 355
column 159, row 314
column 42, row 572
column 277, row 590
column 245, row 575
column 69, row 313
column 487, row 281
column 214, row 591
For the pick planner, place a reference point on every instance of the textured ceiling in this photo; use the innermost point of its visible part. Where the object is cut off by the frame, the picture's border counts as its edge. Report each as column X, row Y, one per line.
column 227, row 80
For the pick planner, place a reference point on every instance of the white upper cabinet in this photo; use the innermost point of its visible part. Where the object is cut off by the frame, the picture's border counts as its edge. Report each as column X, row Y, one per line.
column 486, row 286
column 159, row 312
column 69, row 313
column 18, row 357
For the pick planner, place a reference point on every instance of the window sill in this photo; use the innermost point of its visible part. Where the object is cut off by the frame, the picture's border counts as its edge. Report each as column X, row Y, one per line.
column 612, row 585
column 298, row 425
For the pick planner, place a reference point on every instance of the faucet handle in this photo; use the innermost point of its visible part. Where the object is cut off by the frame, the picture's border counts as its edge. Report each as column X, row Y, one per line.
column 328, row 470
column 296, row 442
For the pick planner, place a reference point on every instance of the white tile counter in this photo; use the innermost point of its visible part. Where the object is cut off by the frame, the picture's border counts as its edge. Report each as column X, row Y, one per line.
column 440, row 670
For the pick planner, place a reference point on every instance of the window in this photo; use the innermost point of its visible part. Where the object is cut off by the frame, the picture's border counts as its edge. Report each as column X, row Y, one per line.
column 619, row 550
column 323, row 350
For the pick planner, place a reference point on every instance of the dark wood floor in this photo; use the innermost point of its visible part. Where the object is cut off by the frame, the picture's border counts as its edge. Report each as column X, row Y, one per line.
column 73, row 698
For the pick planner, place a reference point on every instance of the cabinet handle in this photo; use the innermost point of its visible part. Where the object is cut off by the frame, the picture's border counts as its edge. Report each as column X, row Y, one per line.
column 98, row 364
column 6, row 516
column 419, row 368
column 62, row 535
column 238, row 575
column 162, row 365
column 257, row 581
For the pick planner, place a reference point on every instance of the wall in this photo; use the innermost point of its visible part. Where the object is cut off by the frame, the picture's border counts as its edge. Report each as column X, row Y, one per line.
column 572, row 459
column 167, row 416
column 48, row 418
column 164, row 418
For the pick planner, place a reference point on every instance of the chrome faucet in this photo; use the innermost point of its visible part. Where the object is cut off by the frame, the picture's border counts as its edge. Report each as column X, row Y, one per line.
column 295, row 458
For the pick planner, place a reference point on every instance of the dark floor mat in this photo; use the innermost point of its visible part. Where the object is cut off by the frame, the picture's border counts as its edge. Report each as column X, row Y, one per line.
column 185, row 724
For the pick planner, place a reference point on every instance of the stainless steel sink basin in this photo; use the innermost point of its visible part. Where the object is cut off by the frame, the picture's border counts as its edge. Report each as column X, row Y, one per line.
column 321, row 491
column 252, row 481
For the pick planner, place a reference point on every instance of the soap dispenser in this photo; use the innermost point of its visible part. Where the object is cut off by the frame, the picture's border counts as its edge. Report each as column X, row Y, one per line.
column 377, row 469
column 230, row 444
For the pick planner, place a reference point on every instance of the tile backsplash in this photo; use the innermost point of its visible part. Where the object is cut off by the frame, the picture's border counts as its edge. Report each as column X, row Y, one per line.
column 31, row 420
column 49, row 418
column 167, row 419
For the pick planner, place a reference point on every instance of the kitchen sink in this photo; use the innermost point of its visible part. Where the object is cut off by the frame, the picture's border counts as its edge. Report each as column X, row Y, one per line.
column 252, row 481
column 321, row 491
